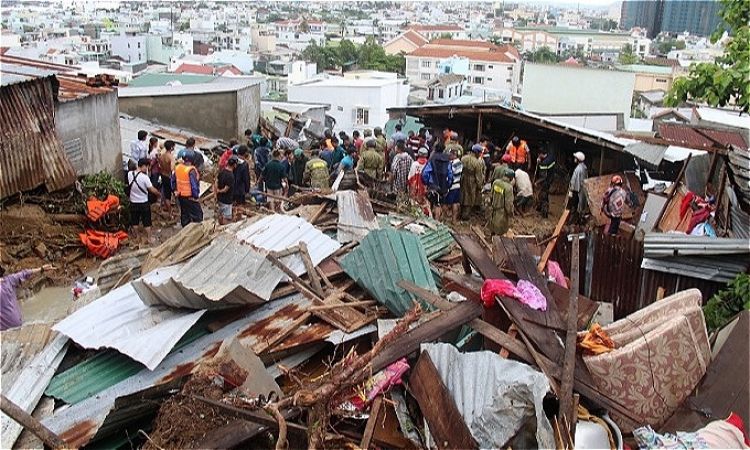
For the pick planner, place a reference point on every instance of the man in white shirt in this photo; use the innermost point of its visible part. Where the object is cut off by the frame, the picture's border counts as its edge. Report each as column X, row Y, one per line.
column 138, row 150
column 524, row 191
column 140, row 186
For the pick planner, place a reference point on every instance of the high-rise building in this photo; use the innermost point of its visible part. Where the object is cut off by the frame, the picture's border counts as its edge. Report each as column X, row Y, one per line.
column 641, row 13
column 698, row 17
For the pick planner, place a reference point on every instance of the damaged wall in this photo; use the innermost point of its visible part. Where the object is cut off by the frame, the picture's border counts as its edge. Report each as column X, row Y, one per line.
column 90, row 131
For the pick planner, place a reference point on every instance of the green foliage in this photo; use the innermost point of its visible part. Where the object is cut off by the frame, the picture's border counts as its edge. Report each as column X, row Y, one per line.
column 728, row 302
column 726, row 80
column 102, row 184
column 543, row 55
column 665, row 47
column 446, row 36
column 627, row 56
column 368, row 56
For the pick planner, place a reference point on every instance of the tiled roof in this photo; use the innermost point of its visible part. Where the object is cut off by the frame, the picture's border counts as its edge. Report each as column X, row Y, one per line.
column 462, row 43
column 415, row 38
column 194, row 68
column 700, row 137
column 473, row 55
column 419, row 27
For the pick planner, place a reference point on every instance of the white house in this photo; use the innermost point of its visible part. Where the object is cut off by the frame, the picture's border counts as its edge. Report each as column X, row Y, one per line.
column 446, row 88
column 494, row 70
column 358, row 100
column 130, row 47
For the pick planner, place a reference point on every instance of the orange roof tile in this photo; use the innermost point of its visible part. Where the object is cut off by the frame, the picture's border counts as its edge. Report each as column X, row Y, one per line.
column 415, row 38
column 462, row 43
column 474, row 55
column 418, row 27
column 194, row 68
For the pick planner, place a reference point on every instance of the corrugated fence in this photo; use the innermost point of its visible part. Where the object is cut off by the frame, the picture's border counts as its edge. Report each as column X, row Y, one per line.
column 615, row 276
column 31, row 154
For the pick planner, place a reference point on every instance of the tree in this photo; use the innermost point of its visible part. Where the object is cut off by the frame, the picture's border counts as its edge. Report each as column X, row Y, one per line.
column 543, row 55
column 446, row 36
column 666, row 46
column 627, row 56
column 725, row 80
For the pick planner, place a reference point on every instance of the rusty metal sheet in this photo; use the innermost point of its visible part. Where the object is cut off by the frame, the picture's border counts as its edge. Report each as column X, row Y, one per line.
column 356, row 217
column 79, row 423
column 31, row 154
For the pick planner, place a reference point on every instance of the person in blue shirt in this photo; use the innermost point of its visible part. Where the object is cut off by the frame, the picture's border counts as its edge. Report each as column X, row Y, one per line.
column 326, row 154
column 437, row 176
column 261, row 155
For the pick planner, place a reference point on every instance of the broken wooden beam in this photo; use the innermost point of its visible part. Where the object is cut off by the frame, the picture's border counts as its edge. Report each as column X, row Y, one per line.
column 447, row 426
column 376, row 411
column 25, row 419
column 551, row 244
column 565, row 395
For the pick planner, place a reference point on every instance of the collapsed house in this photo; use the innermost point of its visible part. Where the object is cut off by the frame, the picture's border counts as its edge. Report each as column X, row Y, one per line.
column 380, row 329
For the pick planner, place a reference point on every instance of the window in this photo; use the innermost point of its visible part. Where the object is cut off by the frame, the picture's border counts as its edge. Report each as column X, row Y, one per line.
column 362, row 116
column 431, row 93
column 510, row 67
column 441, row 93
column 128, row 44
column 426, row 64
column 661, row 80
column 425, row 76
column 340, row 108
column 489, row 79
column 139, row 45
column 478, row 80
column 490, row 67
column 479, row 67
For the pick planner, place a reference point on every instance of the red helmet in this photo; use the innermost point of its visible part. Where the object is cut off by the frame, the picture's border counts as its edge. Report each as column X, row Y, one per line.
column 507, row 158
column 616, row 179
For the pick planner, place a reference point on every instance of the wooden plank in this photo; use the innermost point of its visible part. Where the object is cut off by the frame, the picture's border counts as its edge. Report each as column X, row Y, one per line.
column 28, row 422
column 265, row 346
column 673, row 191
column 443, row 322
column 343, row 305
column 480, row 326
column 447, row 426
column 466, row 285
column 375, row 415
column 310, row 267
column 567, row 406
column 478, row 257
column 512, row 333
column 551, row 244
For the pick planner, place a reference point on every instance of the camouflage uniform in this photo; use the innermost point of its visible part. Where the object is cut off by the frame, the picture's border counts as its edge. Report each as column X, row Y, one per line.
column 502, row 207
column 316, row 173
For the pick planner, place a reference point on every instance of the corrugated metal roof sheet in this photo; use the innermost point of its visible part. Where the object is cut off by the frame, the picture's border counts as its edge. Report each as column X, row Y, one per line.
column 279, row 232
column 740, row 222
column 384, row 258
column 492, row 394
column 224, row 273
column 26, row 390
column 657, row 245
column 356, row 217
column 21, row 344
column 121, row 321
column 80, row 422
column 700, row 137
column 107, row 368
column 722, row 269
column 436, row 238
column 31, row 154
column 649, row 153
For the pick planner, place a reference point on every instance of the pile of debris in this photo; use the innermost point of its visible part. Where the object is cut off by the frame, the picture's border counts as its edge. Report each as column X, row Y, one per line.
column 343, row 324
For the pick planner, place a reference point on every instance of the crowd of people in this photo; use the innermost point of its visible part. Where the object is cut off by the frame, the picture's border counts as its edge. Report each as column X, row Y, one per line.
column 446, row 181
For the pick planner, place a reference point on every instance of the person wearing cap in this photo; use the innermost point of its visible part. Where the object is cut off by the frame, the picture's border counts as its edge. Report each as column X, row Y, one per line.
column 241, row 174
column 186, row 184
column 437, row 176
column 140, row 208
column 613, row 204
column 500, row 167
column 545, row 168
column 502, row 204
column 225, row 190
column 452, row 144
column 316, row 173
column 472, row 180
column 371, row 161
column 417, row 189
column 519, row 153
column 576, row 193
column 524, row 191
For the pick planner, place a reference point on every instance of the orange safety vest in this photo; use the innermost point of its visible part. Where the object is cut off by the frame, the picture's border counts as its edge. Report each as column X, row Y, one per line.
column 518, row 154
column 182, row 175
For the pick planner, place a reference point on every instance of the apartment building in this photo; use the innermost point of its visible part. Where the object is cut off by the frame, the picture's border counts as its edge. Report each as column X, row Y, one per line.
column 494, row 70
column 439, row 31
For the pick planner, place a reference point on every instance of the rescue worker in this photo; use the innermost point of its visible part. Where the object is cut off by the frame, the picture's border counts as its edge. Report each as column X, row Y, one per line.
column 472, row 180
column 576, row 193
column 502, row 204
column 185, row 183
column 519, row 153
column 613, row 203
column 545, row 168
column 452, row 144
column 500, row 167
column 297, row 168
column 349, row 180
column 371, row 161
column 381, row 143
column 316, row 172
